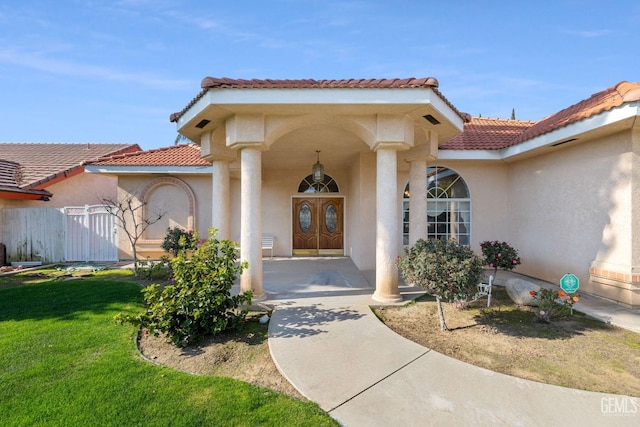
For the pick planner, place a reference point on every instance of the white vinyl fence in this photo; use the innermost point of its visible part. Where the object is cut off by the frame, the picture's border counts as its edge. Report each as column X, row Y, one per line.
column 91, row 234
column 48, row 235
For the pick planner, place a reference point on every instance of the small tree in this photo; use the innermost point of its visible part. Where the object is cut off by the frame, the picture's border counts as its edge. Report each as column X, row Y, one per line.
column 200, row 302
column 499, row 255
column 446, row 270
column 134, row 218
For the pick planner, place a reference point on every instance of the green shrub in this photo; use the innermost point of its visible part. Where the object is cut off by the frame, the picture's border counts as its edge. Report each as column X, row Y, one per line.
column 447, row 270
column 199, row 304
column 155, row 270
column 177, row 239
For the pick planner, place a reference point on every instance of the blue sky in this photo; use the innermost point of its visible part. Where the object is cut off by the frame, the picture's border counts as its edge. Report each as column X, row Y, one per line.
column 113, row 71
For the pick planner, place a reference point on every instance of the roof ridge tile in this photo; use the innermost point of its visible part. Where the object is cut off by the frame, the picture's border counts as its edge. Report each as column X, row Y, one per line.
column 209, row 83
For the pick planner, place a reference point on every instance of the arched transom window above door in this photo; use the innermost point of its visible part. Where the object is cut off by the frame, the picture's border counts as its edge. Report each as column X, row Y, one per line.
column 448, row 207
column 329, row 185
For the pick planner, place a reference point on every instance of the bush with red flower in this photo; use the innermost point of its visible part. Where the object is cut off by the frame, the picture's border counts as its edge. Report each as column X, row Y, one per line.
column 499, row 255
column 177, row 238
column 552, row 302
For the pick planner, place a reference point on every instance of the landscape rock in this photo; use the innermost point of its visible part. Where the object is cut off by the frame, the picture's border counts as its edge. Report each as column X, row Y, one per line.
column 519, row 291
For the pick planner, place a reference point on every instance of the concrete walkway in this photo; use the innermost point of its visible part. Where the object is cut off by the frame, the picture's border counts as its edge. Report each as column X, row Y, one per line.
column 327, row 342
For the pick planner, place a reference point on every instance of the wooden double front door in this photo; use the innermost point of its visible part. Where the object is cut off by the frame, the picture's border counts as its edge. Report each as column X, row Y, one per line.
column 318, row 226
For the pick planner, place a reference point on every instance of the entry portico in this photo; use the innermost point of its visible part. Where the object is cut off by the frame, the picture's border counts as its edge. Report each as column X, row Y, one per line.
column 373, row 137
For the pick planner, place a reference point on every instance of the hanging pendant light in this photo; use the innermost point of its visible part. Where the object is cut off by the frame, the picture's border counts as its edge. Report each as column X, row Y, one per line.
column 318, row 170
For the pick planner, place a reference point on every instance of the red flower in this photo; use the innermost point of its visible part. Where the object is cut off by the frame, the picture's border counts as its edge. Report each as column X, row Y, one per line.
column 561, row 293
column 532, row 293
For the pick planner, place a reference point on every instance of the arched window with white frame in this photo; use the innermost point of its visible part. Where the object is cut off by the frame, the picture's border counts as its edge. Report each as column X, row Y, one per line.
column 328, row 185
column 448, row 207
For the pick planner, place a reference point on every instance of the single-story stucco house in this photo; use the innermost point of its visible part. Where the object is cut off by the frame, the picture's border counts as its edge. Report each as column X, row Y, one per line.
column 364, row 168
column 38, row 182
column 31, row 173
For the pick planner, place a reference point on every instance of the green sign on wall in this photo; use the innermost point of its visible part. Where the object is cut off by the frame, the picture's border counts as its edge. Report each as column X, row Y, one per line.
column 569, row 283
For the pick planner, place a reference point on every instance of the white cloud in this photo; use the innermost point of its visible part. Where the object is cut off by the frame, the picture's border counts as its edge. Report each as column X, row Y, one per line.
column 588, row 34
column 41, row 62
column 209, row 24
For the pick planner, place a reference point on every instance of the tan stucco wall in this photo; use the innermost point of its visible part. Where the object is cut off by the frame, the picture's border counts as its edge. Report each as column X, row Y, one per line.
column 360, row 224
column 176, row 209
column 568, row 211
column 278, row 186
column 79, row 190
column 234, row 195
column 635, row 196
column 573, row 207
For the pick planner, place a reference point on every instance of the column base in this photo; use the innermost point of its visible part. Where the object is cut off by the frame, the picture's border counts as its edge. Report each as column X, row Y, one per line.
column 259, row 298
column 387, row 298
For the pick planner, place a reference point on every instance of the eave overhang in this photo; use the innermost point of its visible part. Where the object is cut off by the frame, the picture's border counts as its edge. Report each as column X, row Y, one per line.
column 21, row 194
column 215, row 106
column 608, row 122
column 139, row 170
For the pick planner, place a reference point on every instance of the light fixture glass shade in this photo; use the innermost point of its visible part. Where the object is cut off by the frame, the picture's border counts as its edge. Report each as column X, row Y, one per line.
column 318, row 170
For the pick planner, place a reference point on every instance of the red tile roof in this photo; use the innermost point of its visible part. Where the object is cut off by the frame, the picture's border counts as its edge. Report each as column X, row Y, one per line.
column 609, row 98
column 9, row 173
column 226, row 83
column 176, row 155
column 214, row 82
column 487, row 134
column 42, row 163
column 493, row 134
column 10, row 179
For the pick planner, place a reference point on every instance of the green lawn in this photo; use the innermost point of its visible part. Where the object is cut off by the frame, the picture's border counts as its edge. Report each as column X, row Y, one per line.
column 64, row 361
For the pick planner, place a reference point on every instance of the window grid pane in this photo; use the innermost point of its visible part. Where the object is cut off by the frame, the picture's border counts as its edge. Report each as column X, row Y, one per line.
column 448, row 207
column 307, row 185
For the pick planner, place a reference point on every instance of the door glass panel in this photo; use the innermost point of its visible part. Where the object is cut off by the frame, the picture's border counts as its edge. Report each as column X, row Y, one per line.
column 304, row 218
column 331, row 218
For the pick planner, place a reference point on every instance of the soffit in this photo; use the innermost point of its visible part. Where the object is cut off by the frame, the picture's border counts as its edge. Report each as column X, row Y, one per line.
column 413, row 97
column 338, row 149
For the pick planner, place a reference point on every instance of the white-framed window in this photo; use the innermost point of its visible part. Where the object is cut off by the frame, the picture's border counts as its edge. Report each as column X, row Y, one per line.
column 308, row 185
column 448, row 207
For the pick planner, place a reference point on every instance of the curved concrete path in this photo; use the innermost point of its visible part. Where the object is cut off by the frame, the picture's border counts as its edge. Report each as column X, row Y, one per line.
column 327, row 342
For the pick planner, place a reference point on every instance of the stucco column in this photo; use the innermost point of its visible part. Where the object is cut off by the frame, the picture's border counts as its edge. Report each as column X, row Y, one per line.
column 251, row 220
column 220, row 206
column 417, row 200
column 386, row 226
